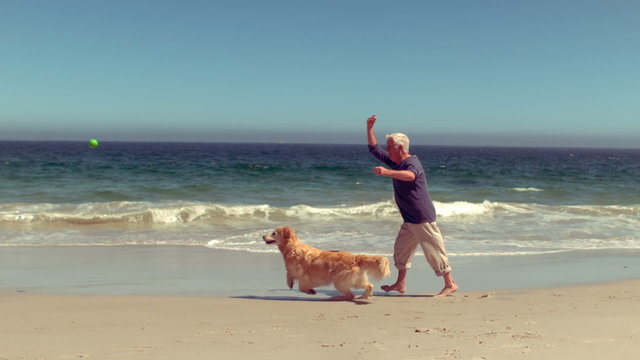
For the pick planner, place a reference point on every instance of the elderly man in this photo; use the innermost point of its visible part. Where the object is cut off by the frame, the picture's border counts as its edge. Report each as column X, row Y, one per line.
column 416, row 208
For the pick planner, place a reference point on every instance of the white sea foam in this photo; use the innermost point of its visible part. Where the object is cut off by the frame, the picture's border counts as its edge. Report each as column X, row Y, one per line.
column 208, row 213
column 508, row 253
column 522, row 189
column 177, row 213
column 470, row 229
column 463, row 208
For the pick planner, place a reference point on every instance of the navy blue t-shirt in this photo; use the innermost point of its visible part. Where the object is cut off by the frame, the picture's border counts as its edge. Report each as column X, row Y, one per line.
column 412, row 197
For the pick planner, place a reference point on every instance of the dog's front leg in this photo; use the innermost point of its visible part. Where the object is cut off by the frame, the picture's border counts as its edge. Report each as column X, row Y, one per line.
column 289, row 280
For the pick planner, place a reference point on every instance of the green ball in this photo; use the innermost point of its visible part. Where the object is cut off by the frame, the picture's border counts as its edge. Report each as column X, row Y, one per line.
column 93, row 143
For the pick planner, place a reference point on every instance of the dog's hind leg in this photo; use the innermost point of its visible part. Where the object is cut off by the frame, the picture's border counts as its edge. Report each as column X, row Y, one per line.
column 348, row 295
column 363, row 283
column 368, row 289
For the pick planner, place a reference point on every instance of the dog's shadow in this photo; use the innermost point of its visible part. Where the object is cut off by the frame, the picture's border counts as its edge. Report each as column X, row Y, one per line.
column 329, row 293
column 304, row 297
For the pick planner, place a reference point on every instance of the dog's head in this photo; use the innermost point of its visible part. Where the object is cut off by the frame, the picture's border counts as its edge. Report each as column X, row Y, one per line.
column 281, row 236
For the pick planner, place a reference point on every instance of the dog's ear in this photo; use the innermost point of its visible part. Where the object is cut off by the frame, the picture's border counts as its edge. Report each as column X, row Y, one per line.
column 287, row 232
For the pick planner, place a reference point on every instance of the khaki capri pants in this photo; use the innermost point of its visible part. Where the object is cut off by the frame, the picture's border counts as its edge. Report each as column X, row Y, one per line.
column 428, row 236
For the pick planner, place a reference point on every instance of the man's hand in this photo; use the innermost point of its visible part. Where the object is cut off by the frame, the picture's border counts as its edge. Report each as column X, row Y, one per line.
column 371, row 121
column 379, row 170
column 371, row 136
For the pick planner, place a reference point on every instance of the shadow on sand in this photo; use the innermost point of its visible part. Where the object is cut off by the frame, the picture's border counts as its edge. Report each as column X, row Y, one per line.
column 330, row 293
column 303, row 297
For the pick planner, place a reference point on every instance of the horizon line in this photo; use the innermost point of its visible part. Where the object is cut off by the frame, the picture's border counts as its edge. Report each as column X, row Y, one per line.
column 525, row 146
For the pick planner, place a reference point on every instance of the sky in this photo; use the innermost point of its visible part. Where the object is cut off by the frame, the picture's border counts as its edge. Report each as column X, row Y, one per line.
column 467, row 72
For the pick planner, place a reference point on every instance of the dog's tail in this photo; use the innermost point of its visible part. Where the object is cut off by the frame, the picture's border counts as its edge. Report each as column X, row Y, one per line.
column 376, row 266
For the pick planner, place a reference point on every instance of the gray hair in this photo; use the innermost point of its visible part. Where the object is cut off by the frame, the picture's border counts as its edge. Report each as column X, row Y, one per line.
column 400, row 140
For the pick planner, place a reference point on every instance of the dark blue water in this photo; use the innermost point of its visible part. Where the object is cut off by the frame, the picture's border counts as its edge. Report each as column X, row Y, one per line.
column 490, row 200
column 287, row 174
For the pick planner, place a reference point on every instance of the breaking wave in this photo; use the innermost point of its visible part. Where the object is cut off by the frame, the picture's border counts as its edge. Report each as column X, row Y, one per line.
column 149, row 213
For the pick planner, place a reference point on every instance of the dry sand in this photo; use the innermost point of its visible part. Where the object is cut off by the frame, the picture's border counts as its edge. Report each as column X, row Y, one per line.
column 585, row 322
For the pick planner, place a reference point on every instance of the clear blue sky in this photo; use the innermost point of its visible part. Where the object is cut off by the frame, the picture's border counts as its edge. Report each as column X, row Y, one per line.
column 469, row 72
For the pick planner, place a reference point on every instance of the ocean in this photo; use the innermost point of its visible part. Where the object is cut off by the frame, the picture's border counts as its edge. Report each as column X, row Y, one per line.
column 490, row 201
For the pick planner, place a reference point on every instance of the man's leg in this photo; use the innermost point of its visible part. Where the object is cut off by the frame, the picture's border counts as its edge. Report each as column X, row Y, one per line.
column 434, row 250
column 400, row 285
column 403, row 250
column 450, row 285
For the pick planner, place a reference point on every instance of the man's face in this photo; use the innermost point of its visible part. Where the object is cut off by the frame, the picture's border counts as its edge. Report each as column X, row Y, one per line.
column 392, row 149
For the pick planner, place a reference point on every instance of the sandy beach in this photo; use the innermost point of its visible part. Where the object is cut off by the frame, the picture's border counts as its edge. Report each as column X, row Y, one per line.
column 586, row 322
column 150, row 302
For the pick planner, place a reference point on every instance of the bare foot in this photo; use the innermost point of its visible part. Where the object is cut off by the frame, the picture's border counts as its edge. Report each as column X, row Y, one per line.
column 395, row 287
column 448, row 290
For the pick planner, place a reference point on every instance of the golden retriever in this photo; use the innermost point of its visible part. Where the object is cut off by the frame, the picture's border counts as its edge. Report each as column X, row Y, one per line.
column 313, row 267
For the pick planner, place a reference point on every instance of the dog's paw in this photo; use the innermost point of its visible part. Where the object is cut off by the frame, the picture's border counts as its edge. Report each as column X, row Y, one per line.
column 310, row 291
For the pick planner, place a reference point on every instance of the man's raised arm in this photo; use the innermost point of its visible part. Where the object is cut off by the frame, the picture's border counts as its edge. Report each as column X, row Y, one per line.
column 371, row 136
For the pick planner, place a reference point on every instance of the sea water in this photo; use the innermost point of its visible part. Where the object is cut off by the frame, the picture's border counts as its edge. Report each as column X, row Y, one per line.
column 490, row 201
